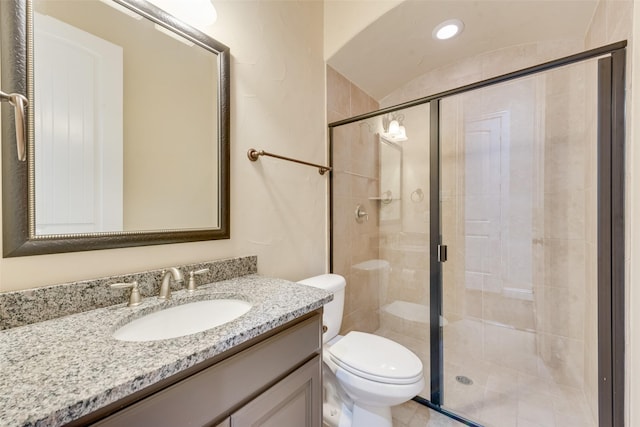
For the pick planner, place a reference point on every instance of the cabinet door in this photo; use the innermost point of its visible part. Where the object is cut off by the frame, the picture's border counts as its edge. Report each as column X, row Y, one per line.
column 293, row 402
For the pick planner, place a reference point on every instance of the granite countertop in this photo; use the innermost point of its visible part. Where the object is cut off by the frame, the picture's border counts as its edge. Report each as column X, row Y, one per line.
column 62, row 369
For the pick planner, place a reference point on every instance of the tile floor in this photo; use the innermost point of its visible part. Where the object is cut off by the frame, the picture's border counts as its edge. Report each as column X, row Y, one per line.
column 412, row 414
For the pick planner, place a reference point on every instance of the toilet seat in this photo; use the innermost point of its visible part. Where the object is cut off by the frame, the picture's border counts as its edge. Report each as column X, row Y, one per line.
column 376, row 358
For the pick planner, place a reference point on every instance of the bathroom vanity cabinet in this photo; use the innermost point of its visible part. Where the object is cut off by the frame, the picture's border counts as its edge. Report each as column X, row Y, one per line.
column 271, row 381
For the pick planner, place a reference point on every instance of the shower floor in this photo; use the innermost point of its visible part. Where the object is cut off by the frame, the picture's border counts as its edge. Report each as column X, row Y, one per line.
column 499, row 396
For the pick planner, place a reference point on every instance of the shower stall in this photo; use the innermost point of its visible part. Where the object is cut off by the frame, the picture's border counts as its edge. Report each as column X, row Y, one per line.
column 482, row 229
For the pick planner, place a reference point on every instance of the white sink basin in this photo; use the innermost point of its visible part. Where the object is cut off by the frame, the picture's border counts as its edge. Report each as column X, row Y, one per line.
column 182, row 320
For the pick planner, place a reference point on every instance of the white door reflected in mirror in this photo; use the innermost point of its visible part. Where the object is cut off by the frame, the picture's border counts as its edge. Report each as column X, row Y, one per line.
column 79, row 125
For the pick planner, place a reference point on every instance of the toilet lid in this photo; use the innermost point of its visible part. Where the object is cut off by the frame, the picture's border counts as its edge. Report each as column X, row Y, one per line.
column 376, row 358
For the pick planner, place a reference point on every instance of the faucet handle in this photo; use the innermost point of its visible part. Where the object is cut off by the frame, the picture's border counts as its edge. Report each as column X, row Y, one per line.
column 134, row 298
column 192, row 280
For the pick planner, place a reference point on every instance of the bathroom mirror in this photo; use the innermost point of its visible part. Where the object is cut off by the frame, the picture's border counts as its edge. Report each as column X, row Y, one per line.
column 127, row 127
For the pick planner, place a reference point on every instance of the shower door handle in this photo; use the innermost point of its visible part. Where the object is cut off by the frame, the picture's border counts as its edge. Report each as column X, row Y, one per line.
column 442, row 253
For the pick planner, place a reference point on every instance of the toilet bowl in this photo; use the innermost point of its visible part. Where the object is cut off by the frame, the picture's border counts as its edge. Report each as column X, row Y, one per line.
column 368, row 374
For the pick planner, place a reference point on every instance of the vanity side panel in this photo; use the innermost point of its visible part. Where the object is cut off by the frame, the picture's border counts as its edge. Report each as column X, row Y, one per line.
column 214, row 393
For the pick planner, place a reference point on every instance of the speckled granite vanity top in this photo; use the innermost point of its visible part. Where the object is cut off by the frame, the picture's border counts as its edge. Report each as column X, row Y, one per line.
column 59, row 370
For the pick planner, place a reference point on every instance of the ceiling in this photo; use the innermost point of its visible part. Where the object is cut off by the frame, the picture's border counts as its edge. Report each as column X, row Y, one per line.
column 398, row 47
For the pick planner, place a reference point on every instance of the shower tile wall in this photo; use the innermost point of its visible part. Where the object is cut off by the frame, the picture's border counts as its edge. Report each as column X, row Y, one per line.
column 568, row 220
column 355, row 180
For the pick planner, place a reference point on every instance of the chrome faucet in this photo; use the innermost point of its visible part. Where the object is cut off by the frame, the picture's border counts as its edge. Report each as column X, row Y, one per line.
column 167, row 275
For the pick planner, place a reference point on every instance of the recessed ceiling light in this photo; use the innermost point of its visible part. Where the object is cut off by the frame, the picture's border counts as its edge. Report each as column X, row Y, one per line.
column 447, row 29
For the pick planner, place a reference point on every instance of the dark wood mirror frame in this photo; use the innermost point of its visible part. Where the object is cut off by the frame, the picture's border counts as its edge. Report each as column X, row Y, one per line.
column 19, row 237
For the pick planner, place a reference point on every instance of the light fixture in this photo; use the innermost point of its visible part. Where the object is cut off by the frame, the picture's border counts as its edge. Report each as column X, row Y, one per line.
column 402, row 134
column 394, row 127
column 395, row 133
column 447, row 29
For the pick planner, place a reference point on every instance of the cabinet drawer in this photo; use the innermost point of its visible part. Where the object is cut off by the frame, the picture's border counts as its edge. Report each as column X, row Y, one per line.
column 213, row 393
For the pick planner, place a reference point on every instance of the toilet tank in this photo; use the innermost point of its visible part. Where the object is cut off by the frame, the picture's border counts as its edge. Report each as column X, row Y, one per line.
column 332, row 317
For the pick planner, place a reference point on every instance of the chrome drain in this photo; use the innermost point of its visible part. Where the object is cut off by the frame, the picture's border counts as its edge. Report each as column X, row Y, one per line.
column 464, row 380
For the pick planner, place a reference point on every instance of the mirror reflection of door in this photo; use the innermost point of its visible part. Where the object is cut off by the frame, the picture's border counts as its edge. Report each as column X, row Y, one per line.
column 78, row 128
column 486, row 206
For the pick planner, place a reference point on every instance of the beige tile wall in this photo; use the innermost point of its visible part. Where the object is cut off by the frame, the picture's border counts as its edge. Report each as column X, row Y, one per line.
column 564, row 288
column 355, row 180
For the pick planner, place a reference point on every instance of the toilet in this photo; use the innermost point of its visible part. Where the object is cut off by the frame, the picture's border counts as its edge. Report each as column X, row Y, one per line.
column 364, row 374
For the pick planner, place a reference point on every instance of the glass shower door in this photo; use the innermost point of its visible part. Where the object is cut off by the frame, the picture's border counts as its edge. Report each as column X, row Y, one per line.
column 518, row 215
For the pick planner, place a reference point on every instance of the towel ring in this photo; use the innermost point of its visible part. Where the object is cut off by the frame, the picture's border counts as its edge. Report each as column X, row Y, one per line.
column 417, row 195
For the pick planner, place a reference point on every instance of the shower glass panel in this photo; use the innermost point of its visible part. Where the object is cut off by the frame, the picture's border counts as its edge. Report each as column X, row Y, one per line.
column 380, row 210
column 518, row 209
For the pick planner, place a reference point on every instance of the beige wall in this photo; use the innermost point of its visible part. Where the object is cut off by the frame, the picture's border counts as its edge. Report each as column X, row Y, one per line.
column 278, row 210
column 170, row 180
column 344, row 19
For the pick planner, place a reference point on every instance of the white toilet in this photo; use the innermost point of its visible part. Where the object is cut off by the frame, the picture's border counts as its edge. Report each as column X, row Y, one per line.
column 364, row 374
